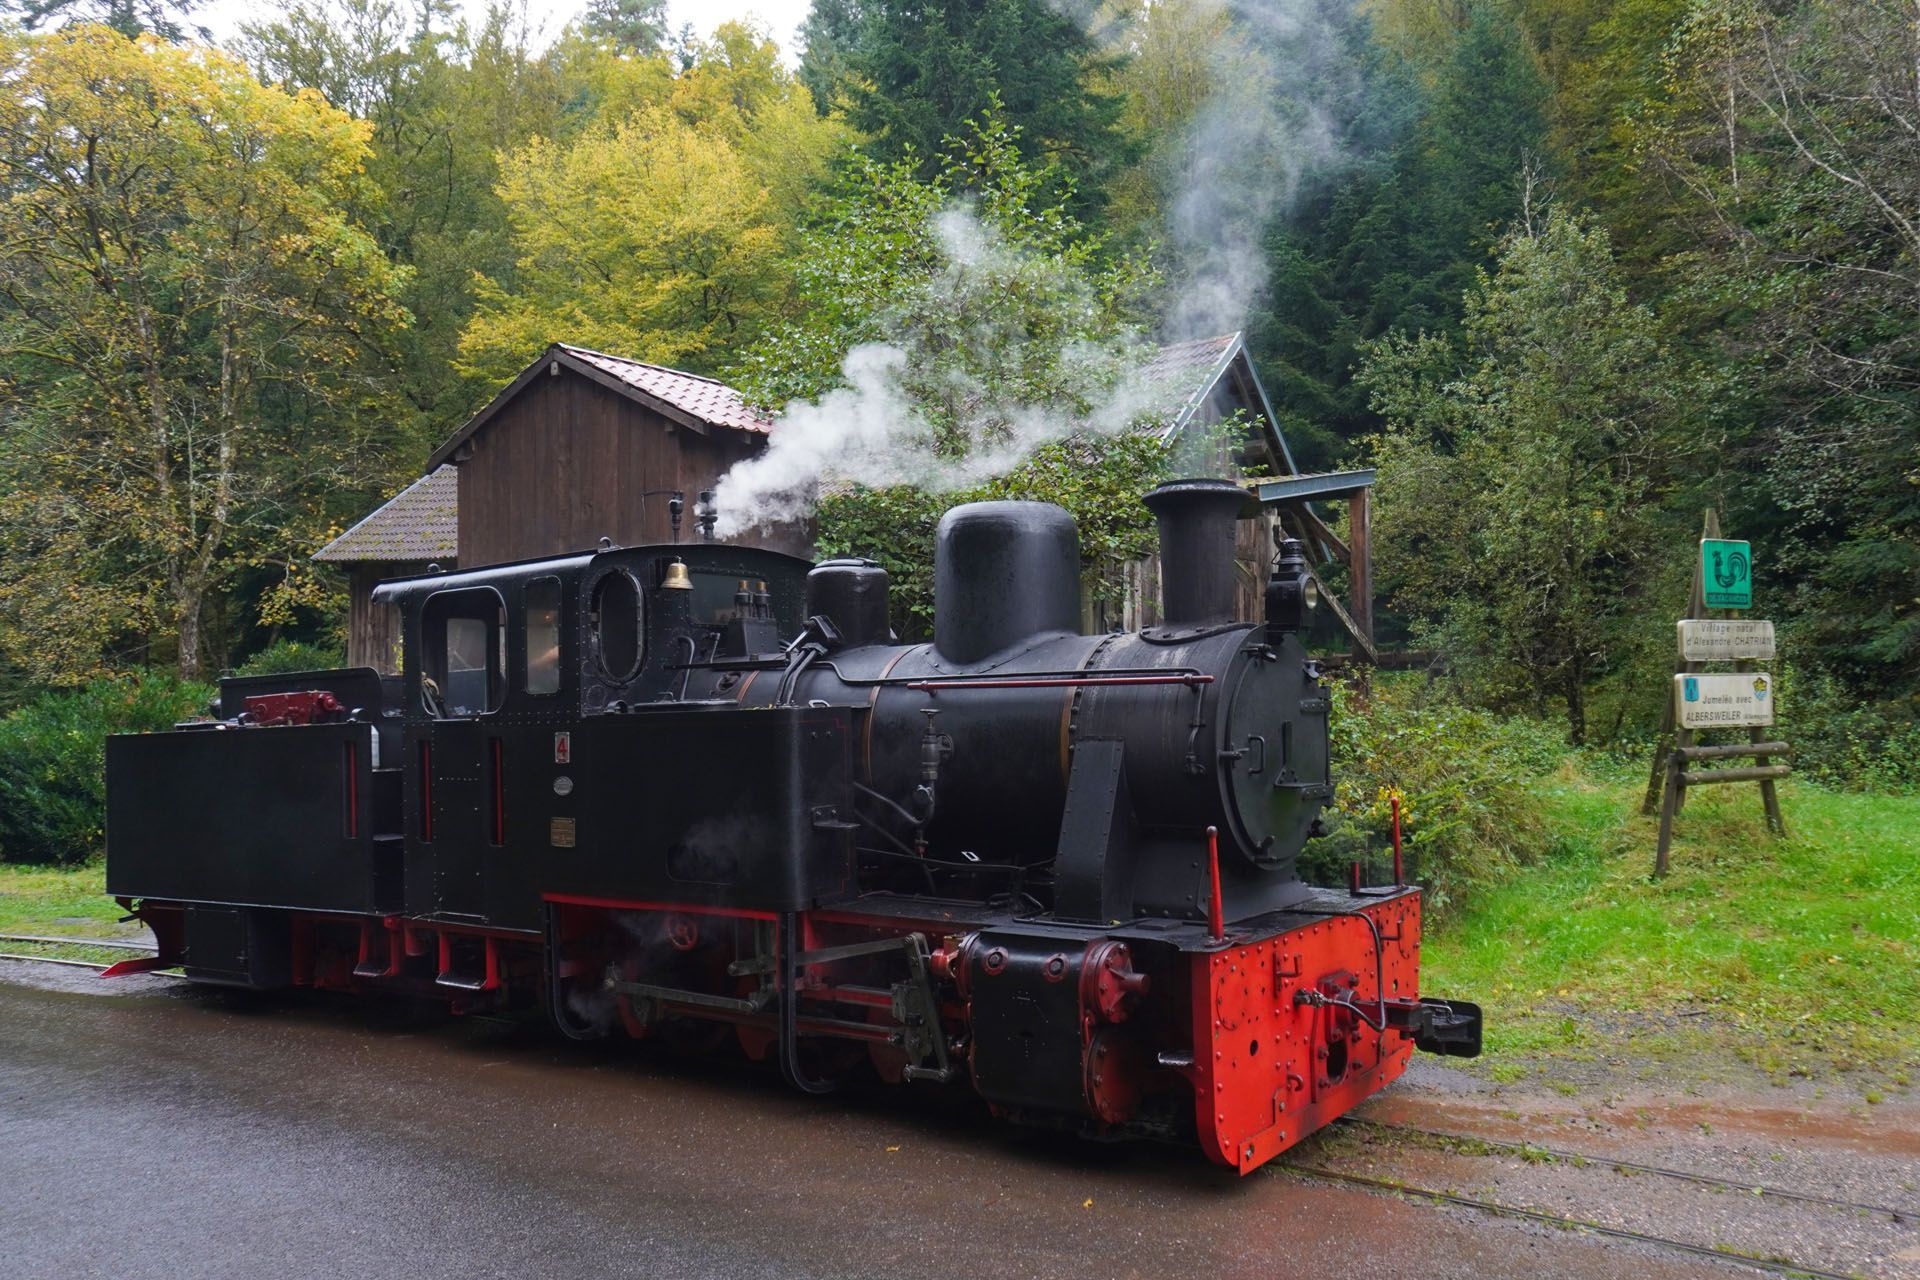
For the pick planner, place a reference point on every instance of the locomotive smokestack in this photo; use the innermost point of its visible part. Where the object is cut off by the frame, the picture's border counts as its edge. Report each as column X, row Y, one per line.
column 1002, row 573
column 1197, row 519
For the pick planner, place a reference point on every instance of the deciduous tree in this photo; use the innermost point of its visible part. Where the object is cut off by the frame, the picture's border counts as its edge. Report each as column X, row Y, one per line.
column 1522, row 470
column 662, row 235
column 189, row 322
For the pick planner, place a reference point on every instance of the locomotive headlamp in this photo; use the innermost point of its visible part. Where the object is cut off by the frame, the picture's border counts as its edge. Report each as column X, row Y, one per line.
column 1291, row 592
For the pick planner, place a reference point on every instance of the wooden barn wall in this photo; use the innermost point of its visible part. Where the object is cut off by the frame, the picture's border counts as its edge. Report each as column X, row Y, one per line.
column 569, row 462
column 373, row 630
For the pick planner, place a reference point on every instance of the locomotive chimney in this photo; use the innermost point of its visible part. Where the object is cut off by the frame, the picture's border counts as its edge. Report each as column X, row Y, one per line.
column 1003, row 572
column 1197, row 519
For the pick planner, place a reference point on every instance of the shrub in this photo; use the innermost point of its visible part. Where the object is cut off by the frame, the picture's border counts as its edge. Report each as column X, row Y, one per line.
column 53, row 755
column 1462, row 776
column 292, row 655
column 1844, row 743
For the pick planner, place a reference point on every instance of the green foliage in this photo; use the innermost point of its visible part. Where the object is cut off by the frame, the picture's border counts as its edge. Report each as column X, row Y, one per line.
column 1010, row 328
column 52, row 761
column 1443, row 145
column 1462, row 776
column 1845, row 743
column 659, row 233
column 1802, row 177
column 917, row 72
column 1521, row 472
column 1799, row 956
column 292, row 655
column 190, row 330
column 1098, row 480
column 1016, row 314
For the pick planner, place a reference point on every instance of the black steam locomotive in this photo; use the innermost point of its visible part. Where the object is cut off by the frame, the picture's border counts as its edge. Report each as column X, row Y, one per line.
column 697, row 791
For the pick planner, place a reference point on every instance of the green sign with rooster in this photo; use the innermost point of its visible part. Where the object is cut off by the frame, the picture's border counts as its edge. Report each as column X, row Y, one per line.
column 1726, row 573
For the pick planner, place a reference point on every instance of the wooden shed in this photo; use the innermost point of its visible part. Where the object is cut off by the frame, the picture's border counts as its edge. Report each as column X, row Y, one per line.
column 584, row 446
column 417, row 528
column 1202, row 384
column 581, row 446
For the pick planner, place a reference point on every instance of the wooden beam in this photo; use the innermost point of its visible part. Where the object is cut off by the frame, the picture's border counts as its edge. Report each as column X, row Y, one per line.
column 1360, row 638
column 1735, row 749
column 1312, row 524
column 1294, row 527
column 1360, row 560
column 1763, row 773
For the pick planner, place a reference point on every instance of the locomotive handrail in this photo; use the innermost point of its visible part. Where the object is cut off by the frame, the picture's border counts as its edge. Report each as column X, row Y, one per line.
column 1158, row 675
column 1053, row 682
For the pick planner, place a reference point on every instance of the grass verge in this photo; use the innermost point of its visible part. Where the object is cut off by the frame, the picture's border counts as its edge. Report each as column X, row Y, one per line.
column 61, row 902
column 1800, row 957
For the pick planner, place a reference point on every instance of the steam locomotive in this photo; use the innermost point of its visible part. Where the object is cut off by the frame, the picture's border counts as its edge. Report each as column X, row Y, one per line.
column 697, row 791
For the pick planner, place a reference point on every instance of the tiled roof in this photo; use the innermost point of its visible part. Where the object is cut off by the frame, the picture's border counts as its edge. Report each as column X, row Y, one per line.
column 710, row 401
column 1184, row 372
column 420, row 523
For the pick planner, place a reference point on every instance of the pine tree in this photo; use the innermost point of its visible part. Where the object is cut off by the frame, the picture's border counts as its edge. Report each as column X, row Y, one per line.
column 1392, row 240
column 922, row 68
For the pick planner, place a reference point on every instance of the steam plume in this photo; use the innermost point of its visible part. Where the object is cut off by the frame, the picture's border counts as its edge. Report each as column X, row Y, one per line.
column 1279, row 84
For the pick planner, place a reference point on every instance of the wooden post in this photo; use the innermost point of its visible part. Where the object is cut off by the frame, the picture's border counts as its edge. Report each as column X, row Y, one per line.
column 1670, row 774
column 1360, row 562
column 1663, row 784
column 1664, row 744
column 1769, row 798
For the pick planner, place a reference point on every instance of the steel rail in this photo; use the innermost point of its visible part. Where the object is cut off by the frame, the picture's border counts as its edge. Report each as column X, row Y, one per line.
column 75, row 964
column 77, row 942
column 1495, row 1209
column 1683, row 1175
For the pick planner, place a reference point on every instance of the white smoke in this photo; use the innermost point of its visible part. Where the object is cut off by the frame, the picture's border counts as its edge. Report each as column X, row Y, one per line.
column 1267, row 121
column 1010, row 395
column 1276, row 75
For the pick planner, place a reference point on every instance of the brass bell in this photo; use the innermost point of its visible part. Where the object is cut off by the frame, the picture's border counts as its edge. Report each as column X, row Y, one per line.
column 677, row 579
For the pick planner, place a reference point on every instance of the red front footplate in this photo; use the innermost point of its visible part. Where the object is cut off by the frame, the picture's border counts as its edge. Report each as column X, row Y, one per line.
column 1270, row 1068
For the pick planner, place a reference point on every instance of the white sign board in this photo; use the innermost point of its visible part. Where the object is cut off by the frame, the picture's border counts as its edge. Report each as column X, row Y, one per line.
column 1734, row 701
column 1712, row 641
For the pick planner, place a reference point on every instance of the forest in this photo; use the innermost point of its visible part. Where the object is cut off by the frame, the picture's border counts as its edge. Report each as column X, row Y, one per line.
column 1568, row 273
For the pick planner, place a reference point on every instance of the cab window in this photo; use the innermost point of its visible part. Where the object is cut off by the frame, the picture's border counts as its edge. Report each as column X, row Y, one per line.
column 614, row 620
column 464, row 635
column 543, row 636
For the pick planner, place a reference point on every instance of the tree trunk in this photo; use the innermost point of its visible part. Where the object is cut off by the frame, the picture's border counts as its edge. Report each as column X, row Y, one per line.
column 1577, row 705
column 188, row 603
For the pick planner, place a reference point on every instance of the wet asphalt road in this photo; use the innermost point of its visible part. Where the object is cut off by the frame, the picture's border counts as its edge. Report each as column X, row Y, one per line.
column 160, row 1130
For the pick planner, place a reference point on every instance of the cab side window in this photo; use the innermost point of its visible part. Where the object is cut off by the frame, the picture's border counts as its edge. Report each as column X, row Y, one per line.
column 543, row 636
column 464, row 638
column 615, row 623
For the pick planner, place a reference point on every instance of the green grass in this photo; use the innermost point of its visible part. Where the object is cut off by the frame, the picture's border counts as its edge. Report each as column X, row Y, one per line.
column 1800, row 956
column 61, row 902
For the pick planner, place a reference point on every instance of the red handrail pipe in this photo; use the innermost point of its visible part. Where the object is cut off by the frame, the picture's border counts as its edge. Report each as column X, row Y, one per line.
column 1216, row 912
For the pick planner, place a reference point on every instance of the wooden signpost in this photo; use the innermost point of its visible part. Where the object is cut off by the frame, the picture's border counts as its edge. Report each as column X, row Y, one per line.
column 1702, row 701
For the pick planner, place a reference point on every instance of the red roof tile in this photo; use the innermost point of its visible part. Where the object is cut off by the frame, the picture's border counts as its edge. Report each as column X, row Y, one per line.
column 706, row 399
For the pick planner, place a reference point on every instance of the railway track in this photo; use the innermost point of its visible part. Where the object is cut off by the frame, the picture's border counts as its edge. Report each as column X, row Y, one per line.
column 1535, row 1151
column 1494, row 1208
column 14, row 940
column 1471, row 1145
